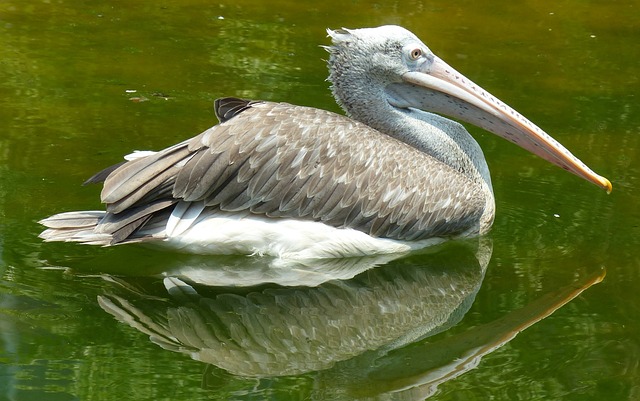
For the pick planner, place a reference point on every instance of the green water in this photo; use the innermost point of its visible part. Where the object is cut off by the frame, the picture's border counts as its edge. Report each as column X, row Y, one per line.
column 66, row 111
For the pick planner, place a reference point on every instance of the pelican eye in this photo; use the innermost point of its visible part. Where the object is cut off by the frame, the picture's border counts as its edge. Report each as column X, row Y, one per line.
column 415, row 53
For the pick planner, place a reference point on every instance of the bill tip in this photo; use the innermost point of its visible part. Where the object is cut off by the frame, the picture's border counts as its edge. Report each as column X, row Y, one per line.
column 606, row 184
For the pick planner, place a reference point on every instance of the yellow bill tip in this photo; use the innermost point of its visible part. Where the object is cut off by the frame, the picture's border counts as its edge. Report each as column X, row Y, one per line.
column 606, row 184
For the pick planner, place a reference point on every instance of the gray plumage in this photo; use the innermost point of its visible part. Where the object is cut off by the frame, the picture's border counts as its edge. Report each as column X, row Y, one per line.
column 270, row 160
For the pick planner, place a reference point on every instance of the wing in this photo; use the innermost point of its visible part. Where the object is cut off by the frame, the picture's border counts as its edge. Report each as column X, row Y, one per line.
column 288, row 161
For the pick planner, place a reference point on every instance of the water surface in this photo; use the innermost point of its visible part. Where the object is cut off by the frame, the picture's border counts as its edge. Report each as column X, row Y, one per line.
column 82, row 83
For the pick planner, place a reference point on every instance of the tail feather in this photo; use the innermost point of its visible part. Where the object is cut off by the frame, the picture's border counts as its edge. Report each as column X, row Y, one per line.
column 75, row 227
column 103, row 228
column 89, row 218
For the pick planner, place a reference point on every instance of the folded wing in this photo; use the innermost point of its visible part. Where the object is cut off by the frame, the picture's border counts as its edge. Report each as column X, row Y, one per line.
column 286, row 161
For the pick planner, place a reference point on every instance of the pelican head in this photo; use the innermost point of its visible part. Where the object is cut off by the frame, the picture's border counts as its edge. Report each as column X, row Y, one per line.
column 375, row 70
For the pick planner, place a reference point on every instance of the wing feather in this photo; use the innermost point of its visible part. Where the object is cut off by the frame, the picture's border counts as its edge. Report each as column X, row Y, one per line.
column 125, row 186
column 290, row 161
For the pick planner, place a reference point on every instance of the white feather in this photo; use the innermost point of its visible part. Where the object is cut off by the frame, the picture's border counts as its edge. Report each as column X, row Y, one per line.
column 226, row 233
column 138, row 154
column 182, row 217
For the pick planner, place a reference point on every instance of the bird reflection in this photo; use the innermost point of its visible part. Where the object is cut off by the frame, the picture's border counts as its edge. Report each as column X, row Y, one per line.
column 352, row 335
column 240, row 271
column 277, row 331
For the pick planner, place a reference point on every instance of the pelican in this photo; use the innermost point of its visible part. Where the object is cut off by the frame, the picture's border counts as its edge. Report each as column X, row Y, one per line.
column 296, row 182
